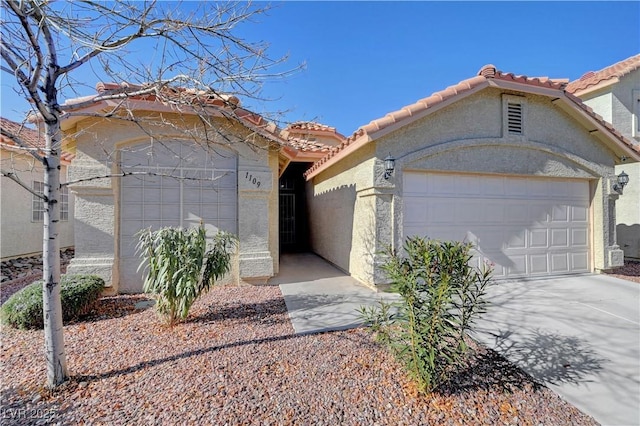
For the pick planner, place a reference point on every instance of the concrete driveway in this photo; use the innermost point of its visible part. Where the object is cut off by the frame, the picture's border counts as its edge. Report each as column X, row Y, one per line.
column 578, row 335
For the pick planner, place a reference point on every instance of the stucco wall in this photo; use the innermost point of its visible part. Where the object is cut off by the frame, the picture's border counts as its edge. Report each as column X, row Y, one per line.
column 341, row 218
column 616, row 105
column 19, row 235
column 97, row 229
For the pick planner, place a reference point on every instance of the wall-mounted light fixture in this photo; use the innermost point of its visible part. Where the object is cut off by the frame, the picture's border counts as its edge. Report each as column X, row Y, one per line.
column 389, row 166
column 621, row 182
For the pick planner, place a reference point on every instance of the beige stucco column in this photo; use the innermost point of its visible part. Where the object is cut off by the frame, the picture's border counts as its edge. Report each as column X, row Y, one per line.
column 94, row 226
column 374, row 227
column 255, row 187
column 607, row 252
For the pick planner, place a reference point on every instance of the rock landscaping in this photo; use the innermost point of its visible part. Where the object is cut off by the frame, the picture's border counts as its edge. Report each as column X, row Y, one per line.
column 236, row 361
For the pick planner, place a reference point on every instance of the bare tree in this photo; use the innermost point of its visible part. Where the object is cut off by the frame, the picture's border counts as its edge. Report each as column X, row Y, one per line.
column 193, row 46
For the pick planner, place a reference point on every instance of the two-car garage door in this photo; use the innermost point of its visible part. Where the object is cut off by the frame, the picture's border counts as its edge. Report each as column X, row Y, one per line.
column 524, row 226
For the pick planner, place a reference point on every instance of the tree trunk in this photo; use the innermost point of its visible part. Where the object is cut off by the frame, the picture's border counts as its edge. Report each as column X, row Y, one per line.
column 52, row 307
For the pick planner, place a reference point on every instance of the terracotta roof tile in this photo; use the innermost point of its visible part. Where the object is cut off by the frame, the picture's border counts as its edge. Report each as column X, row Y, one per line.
column 167, row 96
column 592, row 78
column 311, row 125
column 28, row 135
column 485, row 74
column 307, row 145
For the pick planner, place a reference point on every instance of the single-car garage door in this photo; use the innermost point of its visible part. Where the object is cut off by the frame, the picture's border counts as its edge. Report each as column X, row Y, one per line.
column 176, row 184
column 524, row 226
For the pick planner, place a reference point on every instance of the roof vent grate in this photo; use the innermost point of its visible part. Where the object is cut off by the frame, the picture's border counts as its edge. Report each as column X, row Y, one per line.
column 514, row 118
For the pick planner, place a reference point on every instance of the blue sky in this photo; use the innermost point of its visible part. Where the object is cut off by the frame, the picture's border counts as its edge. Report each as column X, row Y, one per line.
column 364, row 59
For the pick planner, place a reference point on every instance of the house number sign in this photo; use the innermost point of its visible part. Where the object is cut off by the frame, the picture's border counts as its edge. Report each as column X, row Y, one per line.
column 251, row 178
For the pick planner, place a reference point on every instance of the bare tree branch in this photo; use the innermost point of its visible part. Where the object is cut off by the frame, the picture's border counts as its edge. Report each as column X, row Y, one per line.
column 17, row 180
column 125, row 174
column 21, row 144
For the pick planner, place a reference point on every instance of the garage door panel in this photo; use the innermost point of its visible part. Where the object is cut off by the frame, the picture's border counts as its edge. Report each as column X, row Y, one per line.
column 467, row 185
column 469, row 212
column 559, row 262
column 579, row 237
column 515, row 212
column 515, row 188
column 416, row 210
column 414, row 180
column 537, row 213
column 525, row 226
column 559, row 238
column 516, row 239
column 516, row 265
column 560, row 213
column 579, row 213
column 579, row 261
column 538, row 238
column 538, row 264
column 439, row 210
column 493, row 187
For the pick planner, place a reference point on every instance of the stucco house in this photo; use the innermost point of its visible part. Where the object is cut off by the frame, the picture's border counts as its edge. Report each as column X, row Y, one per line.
column 614, row 94
column 516, row 165
column 180, row 159
column 21, row 230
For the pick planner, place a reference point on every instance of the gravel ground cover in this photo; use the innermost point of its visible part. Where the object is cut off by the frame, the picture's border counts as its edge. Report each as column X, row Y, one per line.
column 236, row 361
column 630, row 271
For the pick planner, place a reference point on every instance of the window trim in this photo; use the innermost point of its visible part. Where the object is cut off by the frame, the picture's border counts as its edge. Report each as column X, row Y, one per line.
column 37, row 203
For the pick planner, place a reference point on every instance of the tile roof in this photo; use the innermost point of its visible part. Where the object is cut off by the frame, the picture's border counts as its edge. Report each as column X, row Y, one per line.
column 31, row 137
column 615, row 71
column 172, row 99
column 416, row 110
column 311, row 125
column 303, row 144
column 301, row 135
column 187, row 95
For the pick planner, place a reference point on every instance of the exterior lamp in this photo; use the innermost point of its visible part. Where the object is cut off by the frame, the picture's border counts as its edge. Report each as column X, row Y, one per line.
column 622, row 181
column 389, row 166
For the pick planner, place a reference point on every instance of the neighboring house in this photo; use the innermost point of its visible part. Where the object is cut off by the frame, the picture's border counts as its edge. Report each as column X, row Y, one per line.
column 515, row 165
column 614, row 93
column 206, row 161
column 21, row 231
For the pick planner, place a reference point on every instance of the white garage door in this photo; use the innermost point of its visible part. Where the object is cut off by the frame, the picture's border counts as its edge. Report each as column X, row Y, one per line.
column 184, row 186
column 524, row 226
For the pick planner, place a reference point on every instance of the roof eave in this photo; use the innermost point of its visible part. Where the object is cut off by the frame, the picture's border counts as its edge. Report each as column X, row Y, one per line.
column 604, row 84
column 354, row 146
column 597, row 129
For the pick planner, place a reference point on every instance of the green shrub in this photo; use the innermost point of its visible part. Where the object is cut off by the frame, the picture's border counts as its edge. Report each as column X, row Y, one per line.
column 181, row 266
column 442, row 295
column 78, row 294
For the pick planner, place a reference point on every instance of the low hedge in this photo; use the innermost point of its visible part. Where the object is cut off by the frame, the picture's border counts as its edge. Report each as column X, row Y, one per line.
column 78, row 294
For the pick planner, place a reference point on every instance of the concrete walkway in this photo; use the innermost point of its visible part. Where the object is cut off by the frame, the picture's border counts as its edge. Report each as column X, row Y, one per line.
column 578, row 335
column 319, row 296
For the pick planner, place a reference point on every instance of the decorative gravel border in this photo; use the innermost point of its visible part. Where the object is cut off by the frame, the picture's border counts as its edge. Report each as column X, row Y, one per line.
column 236, row 361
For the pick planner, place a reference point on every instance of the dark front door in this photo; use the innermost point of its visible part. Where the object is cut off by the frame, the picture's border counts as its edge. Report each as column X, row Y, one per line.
column 293, row 209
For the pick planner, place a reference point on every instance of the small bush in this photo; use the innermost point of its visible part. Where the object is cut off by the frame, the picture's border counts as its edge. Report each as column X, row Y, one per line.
column 442, row 295
column 78, row 294
column 181, row 265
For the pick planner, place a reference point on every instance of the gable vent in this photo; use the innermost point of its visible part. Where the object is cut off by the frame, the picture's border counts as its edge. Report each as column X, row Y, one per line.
column 514, row 118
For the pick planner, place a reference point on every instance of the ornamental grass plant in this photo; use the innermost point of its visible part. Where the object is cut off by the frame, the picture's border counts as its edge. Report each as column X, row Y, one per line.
column 180, row 265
